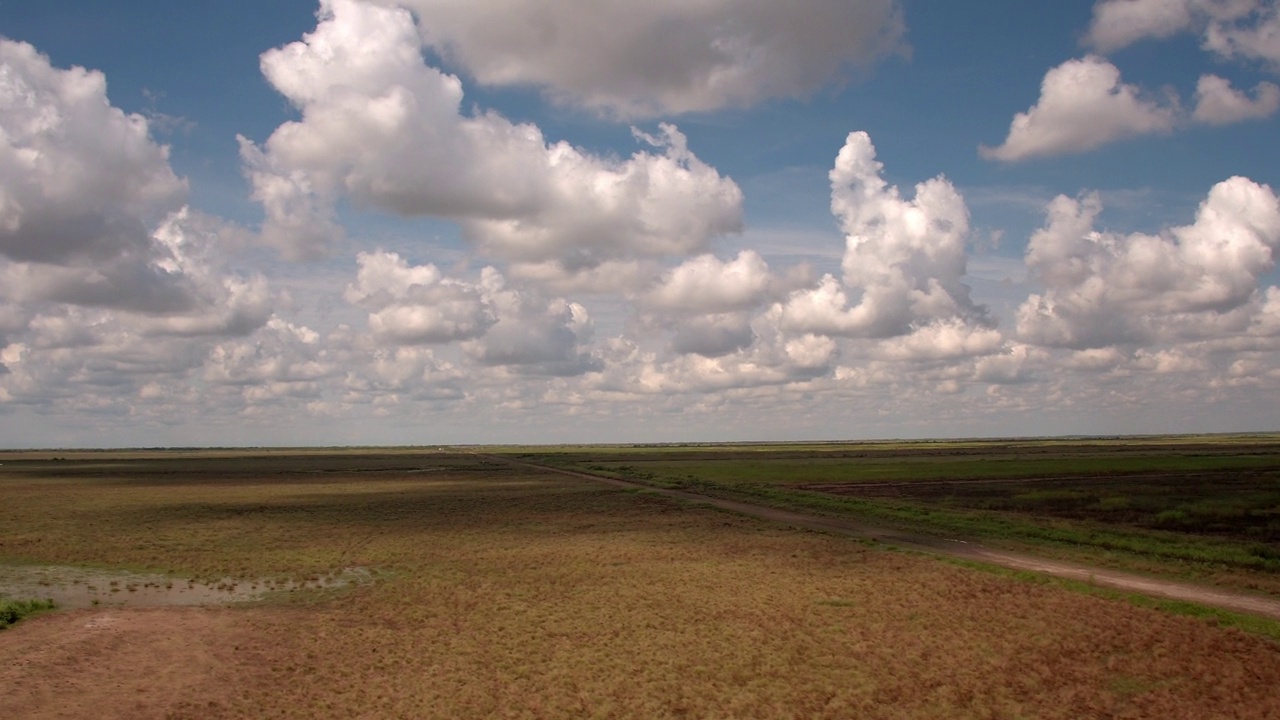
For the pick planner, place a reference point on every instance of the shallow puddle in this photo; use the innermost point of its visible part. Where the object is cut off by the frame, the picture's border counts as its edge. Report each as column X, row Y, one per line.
column 73, row 587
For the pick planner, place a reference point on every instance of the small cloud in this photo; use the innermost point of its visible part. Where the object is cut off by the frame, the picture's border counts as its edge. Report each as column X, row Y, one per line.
column 1083, row 105
column 704, row 284
column 1119, row 23
column 1217, row 103
column 163, row 123
column 417, row 305
column 1230, row 29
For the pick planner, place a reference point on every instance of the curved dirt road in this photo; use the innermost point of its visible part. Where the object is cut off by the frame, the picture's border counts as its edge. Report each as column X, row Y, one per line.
column 1173, row 590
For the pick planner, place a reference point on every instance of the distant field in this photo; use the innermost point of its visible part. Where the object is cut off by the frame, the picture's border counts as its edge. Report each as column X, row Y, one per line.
column 1202, row 506
column 501, row 591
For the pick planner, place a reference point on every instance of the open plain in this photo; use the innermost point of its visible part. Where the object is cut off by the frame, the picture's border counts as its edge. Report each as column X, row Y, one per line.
column 456, row 583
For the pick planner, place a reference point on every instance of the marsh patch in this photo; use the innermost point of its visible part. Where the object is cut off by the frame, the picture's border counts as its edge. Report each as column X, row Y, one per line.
column 77, row 587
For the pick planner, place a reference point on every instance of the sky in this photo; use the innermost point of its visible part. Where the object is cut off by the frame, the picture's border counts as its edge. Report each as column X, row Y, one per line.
column 415, row 222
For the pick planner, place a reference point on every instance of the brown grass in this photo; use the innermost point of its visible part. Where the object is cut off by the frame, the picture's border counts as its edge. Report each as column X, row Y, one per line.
column 505, row 593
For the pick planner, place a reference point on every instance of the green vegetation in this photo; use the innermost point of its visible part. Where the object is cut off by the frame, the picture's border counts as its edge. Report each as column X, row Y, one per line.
column 11, row 611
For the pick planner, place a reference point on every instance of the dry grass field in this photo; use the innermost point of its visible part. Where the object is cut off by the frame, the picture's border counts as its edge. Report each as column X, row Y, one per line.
column 1196, row 507
column 505, row 592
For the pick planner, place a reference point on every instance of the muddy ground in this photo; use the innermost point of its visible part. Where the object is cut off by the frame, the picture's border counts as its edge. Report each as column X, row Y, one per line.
column 126, row 663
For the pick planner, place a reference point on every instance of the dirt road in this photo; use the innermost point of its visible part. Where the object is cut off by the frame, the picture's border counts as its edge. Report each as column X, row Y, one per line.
column 1239, row 602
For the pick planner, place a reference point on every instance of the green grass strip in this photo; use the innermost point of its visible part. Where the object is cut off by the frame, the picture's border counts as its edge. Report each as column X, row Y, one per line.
column 979, row 524
column 1252, row 624
column 11, row 611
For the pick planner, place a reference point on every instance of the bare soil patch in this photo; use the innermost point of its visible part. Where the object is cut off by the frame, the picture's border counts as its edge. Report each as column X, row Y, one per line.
column 125, row 663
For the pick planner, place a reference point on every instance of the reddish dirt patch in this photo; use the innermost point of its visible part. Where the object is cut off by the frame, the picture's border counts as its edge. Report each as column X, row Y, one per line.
column 134, row 663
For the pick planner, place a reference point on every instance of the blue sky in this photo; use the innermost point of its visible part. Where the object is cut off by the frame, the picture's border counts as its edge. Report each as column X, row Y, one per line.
column 281, row 225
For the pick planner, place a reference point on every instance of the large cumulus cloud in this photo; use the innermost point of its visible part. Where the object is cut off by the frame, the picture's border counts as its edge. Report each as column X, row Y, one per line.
column 79, row 179
column 707, row 303
column 1197, row 280
column 904, row 261
column 644, row 59
column 92, row 215
column 381, row 128
column 112, row 290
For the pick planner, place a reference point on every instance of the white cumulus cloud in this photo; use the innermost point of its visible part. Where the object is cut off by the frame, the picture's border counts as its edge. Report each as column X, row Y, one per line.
column 944, row 339
column 1252, row 36
column 1118, row 23
column 79, row 179
column 1232, row 29
column 1083, row 105
column 494, row 324
column 705, row 284
column 411, row 372
column 381, row 128
column 1217, row 103
column 282, row 355
column 92, row 215
column 411, row 305
column 1198, row 280
column 904, row 260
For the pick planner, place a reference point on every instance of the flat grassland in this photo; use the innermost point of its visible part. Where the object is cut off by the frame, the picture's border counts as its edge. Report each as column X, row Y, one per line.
column 1205, row 507
column 504, row 591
